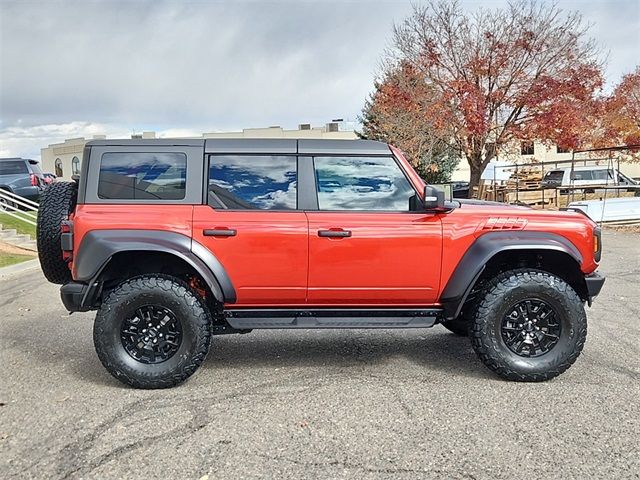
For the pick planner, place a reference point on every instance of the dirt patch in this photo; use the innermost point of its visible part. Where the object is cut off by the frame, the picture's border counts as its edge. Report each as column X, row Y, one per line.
column 13, row 250
column 623, row 228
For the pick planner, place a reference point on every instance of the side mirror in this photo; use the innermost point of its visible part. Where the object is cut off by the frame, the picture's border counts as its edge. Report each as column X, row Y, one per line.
column 433, row 199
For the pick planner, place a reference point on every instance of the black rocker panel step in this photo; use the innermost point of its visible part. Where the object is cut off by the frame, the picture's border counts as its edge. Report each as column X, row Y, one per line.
column 331, row 318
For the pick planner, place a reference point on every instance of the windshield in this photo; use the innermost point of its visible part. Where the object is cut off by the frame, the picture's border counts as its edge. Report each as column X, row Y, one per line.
column 554, row 176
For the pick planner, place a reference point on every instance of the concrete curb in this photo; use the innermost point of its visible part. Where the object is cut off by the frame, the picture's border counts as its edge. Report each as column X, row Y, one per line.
column 19, row 267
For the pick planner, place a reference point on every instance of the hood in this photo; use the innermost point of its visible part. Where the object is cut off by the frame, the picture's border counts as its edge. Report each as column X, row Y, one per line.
column 472, row 202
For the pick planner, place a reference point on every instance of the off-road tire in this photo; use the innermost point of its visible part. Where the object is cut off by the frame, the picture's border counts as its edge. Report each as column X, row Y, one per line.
column 57, row 202
column 161, row 290
column 507, row 289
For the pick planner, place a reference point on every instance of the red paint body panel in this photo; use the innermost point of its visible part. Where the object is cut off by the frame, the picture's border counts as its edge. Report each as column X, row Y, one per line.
column 267, row 260
column 389, row 258
column 170, row 218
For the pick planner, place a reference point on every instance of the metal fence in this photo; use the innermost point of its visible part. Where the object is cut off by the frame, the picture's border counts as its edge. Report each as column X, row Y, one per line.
column 18, row 207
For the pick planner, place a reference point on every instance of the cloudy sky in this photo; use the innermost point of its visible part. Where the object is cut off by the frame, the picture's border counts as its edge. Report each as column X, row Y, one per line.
column 70, row 69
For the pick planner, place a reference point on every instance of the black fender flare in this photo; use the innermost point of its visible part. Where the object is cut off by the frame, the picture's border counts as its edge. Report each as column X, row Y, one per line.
column 99, row 246
column 485, row 247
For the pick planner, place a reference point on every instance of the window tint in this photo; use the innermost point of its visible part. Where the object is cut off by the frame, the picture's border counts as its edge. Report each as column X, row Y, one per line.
column 253, row 182
column 582, row 175
column 554, row 176
column 142, row 176
column 13, row 168
column 602, row 174
column 361, row 183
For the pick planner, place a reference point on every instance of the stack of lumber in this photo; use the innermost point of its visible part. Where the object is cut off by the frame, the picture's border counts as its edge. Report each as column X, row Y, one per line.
column 533, row 197
column 525, row 178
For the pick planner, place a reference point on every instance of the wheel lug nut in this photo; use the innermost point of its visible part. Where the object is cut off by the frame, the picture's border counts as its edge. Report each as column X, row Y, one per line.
column 144, row 330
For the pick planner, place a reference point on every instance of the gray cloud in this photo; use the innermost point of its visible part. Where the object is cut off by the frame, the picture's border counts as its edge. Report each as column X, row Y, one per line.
column 205, row 66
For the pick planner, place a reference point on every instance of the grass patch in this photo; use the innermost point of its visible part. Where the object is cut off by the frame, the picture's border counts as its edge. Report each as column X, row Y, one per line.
column 7, row 259
column 9, row 222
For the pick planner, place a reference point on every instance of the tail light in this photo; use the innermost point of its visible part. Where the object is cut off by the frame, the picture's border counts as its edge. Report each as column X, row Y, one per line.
column 66, row 240
column 34, row 180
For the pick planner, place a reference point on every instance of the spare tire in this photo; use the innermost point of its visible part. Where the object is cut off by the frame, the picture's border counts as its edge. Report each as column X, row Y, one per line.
column 57, row 202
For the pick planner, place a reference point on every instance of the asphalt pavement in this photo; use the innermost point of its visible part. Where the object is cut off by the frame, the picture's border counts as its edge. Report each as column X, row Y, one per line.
column 361, row 404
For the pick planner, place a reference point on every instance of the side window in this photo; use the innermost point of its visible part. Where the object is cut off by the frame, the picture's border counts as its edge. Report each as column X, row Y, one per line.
column 582, row 175
column 252, row 182
column 361, row 183
column 142, row 176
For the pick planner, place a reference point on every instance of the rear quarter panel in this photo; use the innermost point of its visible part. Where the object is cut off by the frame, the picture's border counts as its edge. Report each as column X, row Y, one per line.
column 89, row 217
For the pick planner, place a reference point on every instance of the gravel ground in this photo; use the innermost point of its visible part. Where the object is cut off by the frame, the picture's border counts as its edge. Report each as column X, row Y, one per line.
column 320, row 404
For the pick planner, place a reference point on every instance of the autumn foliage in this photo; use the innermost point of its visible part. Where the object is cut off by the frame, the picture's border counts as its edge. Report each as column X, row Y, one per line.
column 485, row 80
column 621, row 113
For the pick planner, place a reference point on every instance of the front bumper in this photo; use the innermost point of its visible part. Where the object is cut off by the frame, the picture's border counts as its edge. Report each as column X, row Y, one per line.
column 594, row 283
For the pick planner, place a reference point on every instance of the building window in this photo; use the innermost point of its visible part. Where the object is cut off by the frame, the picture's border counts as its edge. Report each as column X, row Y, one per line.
column 526, row 148
column 562, row 150
column 75, row 166
column 58, row 168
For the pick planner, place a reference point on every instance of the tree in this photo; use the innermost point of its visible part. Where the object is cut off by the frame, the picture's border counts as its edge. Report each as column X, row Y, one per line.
column 621, row 117
column 398, row 112
column 497, row 76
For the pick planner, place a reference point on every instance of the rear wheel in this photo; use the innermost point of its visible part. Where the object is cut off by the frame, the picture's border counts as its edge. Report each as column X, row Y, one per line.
column 152, row 332
column 529, row 326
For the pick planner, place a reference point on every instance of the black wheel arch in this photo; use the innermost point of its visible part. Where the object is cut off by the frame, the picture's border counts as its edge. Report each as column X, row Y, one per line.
column 102, row 251
column 515, row 249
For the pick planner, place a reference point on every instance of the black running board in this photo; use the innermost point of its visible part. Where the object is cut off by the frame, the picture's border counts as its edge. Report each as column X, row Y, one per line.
column 331, row 318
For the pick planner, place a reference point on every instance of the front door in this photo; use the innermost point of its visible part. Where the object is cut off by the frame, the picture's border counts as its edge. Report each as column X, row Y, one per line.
column 252, row 226
column 365, row 245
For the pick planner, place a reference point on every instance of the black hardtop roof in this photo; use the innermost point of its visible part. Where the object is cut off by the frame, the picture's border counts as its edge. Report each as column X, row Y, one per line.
column 260, row 145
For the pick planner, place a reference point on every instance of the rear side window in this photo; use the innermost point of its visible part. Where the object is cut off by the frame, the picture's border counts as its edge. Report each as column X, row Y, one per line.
column 602, row 175
column 361, row 183
column 583, row 175
column 13, row 168
column 252, row 182
column 142, row 176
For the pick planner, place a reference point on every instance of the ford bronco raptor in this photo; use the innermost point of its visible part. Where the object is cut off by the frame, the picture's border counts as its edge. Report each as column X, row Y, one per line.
column 174, row 241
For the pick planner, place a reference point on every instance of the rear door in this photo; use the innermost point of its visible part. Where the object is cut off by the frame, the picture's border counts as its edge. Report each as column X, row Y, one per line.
column 252, row 225
column 365, row 245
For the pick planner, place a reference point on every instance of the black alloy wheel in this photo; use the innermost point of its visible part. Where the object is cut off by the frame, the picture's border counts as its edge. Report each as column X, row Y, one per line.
column 531, row 328
column 152, row 335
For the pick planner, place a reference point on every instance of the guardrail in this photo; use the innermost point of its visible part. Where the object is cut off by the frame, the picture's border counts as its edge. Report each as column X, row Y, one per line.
column 18, row 207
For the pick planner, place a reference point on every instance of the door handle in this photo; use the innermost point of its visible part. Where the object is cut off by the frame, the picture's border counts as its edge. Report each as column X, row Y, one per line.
column 334, row 233
column 219, row 232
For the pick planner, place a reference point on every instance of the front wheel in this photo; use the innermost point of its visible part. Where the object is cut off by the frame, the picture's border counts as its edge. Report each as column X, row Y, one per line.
column 152, row 331
column 529, row 326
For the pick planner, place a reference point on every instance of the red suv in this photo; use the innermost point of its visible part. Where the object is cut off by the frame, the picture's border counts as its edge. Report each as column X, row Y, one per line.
column 173, row 241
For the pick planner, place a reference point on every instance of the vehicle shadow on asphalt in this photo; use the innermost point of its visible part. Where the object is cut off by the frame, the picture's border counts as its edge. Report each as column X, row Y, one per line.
column 439, row 351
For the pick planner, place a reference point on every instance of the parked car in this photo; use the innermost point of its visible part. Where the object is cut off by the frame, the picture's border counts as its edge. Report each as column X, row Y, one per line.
column 586, row 176
column 49, row 178
column 173, row 241
column 22, row 177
